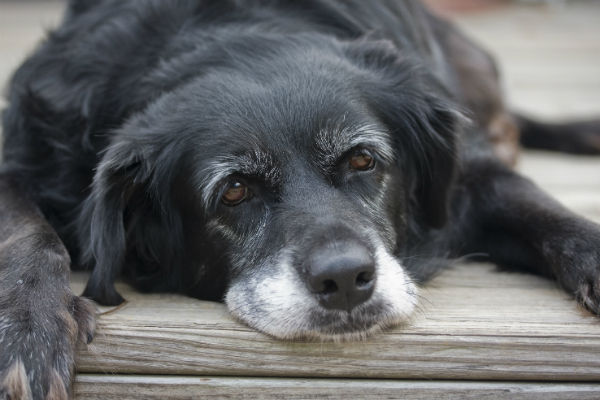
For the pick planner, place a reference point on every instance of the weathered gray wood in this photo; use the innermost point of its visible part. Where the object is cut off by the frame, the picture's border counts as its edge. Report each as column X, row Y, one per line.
column 473, row 322
column 548, row 56
column 22, row 26
column 101, row 387
column 573, row 180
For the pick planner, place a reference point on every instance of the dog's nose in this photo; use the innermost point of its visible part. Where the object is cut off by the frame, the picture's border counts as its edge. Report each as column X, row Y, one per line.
column 341, row 277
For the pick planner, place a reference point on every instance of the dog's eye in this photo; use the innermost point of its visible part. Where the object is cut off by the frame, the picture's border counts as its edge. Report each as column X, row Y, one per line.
column 235, row 194
column 361, row 161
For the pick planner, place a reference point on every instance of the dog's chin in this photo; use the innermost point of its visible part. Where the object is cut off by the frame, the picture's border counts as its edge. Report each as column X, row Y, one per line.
column 340, row 326
column 281, row 306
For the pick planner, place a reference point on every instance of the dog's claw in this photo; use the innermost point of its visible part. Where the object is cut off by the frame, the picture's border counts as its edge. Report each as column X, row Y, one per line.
column 589, row 298
column 84, row 312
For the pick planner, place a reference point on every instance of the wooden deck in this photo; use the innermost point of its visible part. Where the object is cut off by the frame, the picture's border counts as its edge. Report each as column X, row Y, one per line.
column 474, row 324
column 479, row 332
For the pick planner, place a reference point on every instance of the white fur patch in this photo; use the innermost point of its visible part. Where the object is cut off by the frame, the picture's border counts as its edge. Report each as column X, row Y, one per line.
column 281, row 305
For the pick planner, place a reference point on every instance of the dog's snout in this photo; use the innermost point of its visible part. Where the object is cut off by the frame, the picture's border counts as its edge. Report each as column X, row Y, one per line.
column 341, row 277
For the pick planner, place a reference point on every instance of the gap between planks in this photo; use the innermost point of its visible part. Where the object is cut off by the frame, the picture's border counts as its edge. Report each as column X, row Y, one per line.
column 91, row 387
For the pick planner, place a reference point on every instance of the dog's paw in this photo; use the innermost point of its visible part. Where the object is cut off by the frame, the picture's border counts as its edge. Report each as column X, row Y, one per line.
column 576, row 262
column 588, row 295
column 584, row 274
column 37, row 346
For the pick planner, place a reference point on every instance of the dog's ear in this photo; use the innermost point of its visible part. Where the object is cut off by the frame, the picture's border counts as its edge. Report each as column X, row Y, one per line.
column 129, row 214
column 411, row 102
column 439, row 168
column 129, row 219
column 101, row 221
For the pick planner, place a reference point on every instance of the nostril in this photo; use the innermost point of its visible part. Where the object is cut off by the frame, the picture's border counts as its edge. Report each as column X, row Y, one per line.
column 364, row 279
column 329, row 287
column 322, row 285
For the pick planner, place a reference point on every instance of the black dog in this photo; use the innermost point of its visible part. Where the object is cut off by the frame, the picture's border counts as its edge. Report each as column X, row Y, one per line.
column 289, row 157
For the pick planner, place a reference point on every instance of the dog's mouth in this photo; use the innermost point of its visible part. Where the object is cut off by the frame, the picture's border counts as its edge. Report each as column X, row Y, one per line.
column 278, row 302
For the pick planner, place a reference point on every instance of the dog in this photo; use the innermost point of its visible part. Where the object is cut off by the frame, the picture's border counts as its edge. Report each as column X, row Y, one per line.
column 306, row 162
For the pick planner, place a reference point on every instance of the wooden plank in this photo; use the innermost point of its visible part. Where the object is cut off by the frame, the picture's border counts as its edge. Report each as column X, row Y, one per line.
column 574, row 180
column 548, row 56
column 473, row 321
column 22, row 26
column 92, row 387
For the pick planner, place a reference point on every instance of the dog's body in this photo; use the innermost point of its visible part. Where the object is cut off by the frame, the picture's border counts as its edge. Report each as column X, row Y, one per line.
column 303, row 160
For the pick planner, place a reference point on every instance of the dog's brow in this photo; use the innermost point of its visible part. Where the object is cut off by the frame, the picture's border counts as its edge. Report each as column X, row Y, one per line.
column 254, row 163
column 334, row 143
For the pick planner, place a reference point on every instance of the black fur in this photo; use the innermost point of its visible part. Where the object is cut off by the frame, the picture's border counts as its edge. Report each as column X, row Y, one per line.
column 127, row 125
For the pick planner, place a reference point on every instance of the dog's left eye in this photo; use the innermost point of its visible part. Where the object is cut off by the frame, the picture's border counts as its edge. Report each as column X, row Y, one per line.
column 361, row 161
column 235, row 194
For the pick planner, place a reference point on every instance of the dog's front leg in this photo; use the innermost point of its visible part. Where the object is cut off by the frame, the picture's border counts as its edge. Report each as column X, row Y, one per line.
column 509, row 218
column 40, row 319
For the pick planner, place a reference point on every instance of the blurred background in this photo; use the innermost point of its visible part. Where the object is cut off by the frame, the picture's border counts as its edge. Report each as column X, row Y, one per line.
column 548, row 52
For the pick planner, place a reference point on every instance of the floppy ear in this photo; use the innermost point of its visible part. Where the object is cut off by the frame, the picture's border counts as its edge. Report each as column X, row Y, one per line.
column 432, row 142
column 129, row 221
column 101, row 229
column 412, row 103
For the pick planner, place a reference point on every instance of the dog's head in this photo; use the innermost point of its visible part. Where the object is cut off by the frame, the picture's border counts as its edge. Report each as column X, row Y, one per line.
column 282, row 179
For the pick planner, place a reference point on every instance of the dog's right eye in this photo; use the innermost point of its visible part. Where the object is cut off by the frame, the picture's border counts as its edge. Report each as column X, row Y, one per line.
column 235, row 194
column 361, row 161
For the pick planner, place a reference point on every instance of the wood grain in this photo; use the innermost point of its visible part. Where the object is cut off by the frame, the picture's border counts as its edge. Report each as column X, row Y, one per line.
column 474, row 321
column 549, row 56
column 92, row 387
